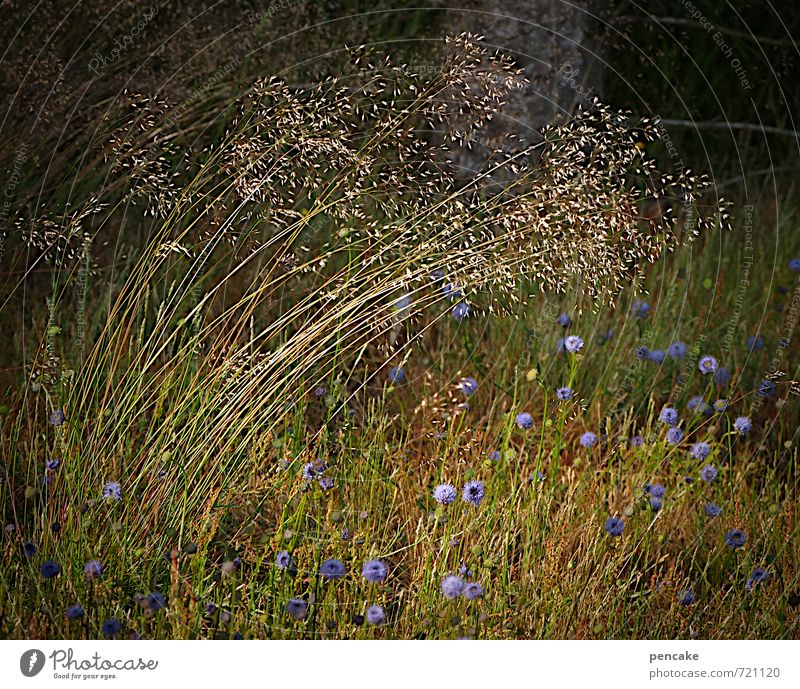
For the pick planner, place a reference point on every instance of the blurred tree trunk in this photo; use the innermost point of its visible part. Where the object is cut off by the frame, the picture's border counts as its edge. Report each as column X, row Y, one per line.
column 554, row 42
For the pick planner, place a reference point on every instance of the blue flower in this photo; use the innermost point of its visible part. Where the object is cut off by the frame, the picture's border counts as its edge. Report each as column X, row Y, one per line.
column 57, row 417
column 697, row 404
column 758, row 576
column 674, row 435
column 495, row 456
column 321, row 391
column 588, row 439
column 655, row 504
column 563, row 319
column 657, row 490
column 310, row 471
column 444, row 493
column 722, row 376
column 657, row 356
column 641, row 352
column 573, row 344
column 735, row 538
column 524, row 420
column 297, row 608
column 283, row 559
column 743, row 425
column 325, row 482
column 397, row 374
column 473, row 590
column 111, row 628
column 75, row 612
column 473, row 492
column 677, row 350
column 640, row 309
column 708, row 473
column 452, row 291
column 112, row 490
column 614, row 526
column 403, row 302
column 452, row 586
column 375, row 615
column 374, row 571
column 755, row 343
column 155, row 601
column 50, row 569
column 28, row 549
column 332, row 569
column 669, row 416
column 712, row 510
column 687, row 597
column 461, row 311
column 93, row 569
column 468, row 385
column 766, row 388
column 794, row 264
column 720, row 405
column 707, row 364
column 52, row 465
column 700, row 450
column 564, row 393
column 636, row 441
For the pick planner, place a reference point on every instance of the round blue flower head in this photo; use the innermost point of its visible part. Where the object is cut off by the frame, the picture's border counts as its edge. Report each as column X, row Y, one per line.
column 397, row 374
column 28, row 549
column 52, row 464
column 320, row 391
column 708, row 473
column 743, row 425
column 50, row 569
column 93, row 569
column 735, row 538
column 656, row 504
column 495, row 456
column 310, row 471
column 641, row 352
column 669, row 416
column 375, row 615
column 473, row 492
column 452, row 291
column 674, row 435
column 636, row 441
column 794, row 264
column 687, row 597
column 766, row 388
column 697, row 404
column 640, row 309
column 112, row 491
column 473, row 590
column 461, row 311
column 283, row 559
column 111, row 628
column 564, row 393
column 657, row 490
column 573, row 344
column 297, row 608
column 758, row 576
column 57, row 417
column 722, row 375
column 325, row 482
column 588, row 439
column 720, row 405
column 374, row 571
column 403, row 302
column 332, row 569
column 677, row 350
column 701, row 450
column 75, row 612
column 707, row 364
column 712, row 510
column 755, row 343
column 564, row 320
column 614, row 526
column 452, row 586
column 657, row 356
column 468, row 385
column 444, row 493
column 155, row 601
column 524, row 420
